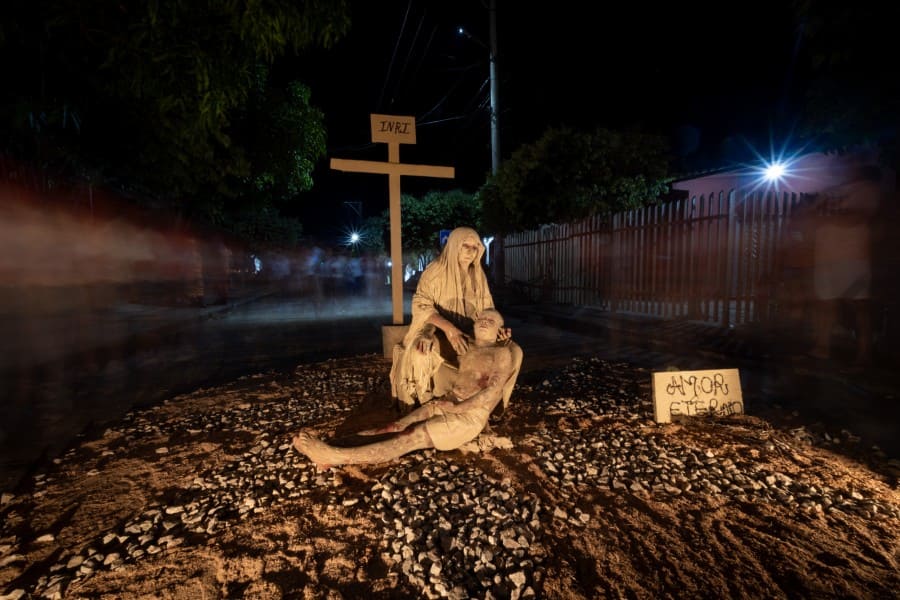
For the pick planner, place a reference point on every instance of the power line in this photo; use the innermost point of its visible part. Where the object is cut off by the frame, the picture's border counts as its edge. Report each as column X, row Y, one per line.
column 409, row 52
column 394, row 55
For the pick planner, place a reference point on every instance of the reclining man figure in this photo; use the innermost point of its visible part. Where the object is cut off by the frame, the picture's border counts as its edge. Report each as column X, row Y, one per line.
column 444, row 424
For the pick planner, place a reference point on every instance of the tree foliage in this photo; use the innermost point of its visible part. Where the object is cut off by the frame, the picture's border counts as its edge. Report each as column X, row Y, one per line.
column 157, row 92
column 852, row 97
column 285, row 138
column 264, row 226
column 423, row 218
column 567, row 175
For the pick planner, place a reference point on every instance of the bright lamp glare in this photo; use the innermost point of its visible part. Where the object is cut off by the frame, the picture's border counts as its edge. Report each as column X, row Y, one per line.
column 352, row 237
column 774, row 172
column 778, row 169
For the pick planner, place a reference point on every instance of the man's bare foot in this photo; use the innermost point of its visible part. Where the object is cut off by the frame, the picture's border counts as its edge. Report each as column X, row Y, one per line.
column 389, row 428
column 321, row 454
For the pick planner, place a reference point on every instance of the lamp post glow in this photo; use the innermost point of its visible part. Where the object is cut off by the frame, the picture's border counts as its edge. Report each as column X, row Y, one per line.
column 774, row 172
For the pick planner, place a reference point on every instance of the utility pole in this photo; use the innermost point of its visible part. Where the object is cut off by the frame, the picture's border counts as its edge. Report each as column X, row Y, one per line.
column 497, row 262
column 494, row 83
column 495, row 129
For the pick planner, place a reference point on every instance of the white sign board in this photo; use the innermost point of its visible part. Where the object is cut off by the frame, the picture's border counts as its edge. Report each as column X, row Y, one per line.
column 393, row 129
column 693, row 393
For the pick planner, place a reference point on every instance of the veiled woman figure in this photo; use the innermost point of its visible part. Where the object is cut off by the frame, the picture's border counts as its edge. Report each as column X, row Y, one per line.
column 452, row 291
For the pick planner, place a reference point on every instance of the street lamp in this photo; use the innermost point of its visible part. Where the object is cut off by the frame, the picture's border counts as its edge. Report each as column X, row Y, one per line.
column 353, row 238
column 774, row 171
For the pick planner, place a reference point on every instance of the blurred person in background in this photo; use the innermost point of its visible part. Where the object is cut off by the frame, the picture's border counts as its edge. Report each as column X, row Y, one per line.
column 842, row 272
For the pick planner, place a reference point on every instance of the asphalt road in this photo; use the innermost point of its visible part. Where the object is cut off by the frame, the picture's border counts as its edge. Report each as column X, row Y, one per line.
column 52, row 392
column 71, row 368
column 88, row 367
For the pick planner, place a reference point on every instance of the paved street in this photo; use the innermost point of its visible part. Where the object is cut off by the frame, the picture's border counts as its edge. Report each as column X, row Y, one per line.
column 63, row 371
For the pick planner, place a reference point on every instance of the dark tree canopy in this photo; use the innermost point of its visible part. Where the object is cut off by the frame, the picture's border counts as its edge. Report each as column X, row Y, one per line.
column 852, row 97
column 171, row 97
column 567, row 175
column 423, row 218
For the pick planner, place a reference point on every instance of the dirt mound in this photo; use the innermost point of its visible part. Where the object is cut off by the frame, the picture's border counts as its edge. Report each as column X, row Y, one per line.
column 202, row 496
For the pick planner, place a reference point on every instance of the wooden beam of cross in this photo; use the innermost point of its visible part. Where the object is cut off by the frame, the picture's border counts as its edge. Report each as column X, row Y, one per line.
column 393, row 130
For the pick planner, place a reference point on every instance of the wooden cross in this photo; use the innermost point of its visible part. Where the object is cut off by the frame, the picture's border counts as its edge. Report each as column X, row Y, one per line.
column 393, row 131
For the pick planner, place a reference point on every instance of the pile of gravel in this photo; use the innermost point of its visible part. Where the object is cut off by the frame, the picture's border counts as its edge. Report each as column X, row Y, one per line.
column 452, row 530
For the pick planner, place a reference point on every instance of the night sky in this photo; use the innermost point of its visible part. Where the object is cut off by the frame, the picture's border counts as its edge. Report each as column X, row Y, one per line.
column 709, row 75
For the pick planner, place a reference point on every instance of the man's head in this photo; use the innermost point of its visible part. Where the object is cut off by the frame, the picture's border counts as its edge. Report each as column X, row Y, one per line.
column 488, row 324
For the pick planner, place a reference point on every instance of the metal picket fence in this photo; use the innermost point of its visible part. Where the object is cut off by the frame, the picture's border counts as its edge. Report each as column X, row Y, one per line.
column 715, row 258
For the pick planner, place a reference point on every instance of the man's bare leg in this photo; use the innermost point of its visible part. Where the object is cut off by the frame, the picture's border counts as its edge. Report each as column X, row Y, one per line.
column 423, row 413
column 325, row 455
